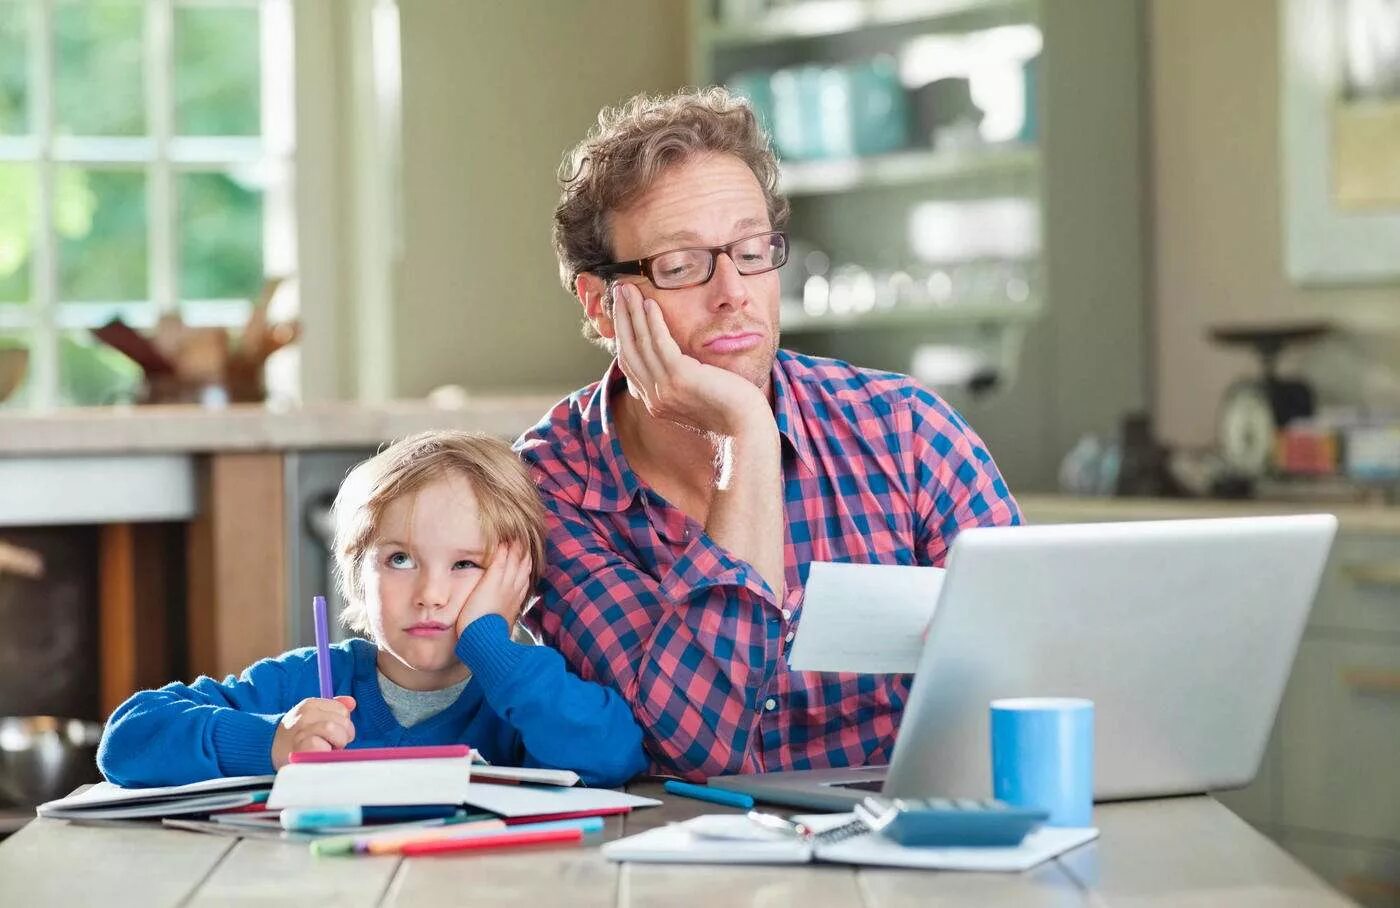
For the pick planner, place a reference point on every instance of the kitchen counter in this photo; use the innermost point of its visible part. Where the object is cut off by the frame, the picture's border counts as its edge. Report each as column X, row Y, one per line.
column 250, row 427
column 1353, row 517
column 240, row 482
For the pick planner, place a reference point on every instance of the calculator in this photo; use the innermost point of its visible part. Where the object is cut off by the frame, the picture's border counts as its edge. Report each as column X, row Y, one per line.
column 953, row 822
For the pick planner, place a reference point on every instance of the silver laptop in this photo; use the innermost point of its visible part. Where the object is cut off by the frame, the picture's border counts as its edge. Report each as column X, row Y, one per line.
column 1182, row 632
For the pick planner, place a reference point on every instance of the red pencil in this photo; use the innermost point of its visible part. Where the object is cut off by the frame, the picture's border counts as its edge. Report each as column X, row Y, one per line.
column 532, row 837
column 417, row 752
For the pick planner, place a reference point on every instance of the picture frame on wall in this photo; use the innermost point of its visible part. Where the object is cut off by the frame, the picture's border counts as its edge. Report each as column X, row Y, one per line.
column 1340, row 138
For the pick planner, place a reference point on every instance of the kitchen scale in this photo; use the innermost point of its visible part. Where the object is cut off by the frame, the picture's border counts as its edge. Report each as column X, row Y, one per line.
column 1253, row 410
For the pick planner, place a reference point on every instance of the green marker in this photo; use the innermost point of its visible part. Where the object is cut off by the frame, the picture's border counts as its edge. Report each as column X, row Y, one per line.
column 340, row 844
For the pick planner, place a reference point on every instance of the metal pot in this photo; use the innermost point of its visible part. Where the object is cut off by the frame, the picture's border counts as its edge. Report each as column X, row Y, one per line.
column 44, row 757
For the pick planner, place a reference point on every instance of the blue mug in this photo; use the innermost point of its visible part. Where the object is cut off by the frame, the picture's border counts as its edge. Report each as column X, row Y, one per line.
column 1043, row 756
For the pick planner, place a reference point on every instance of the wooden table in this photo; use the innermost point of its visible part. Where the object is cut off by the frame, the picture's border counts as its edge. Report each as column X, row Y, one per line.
column 1182, row 851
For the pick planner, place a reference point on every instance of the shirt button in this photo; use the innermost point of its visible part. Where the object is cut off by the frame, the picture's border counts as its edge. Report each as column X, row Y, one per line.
column 787, row 614
column 770, row 704
column 790, row 635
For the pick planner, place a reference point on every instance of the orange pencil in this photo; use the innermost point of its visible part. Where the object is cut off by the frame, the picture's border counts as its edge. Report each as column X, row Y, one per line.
column 394, row 844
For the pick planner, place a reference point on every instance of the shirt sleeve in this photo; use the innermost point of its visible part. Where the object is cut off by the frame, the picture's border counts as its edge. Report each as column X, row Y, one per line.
column 957, row 485
column 691, row 650
column 563, row 722
column 185, row 733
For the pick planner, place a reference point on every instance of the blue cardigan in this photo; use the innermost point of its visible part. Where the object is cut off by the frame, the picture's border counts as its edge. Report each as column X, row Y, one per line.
column 521, row 707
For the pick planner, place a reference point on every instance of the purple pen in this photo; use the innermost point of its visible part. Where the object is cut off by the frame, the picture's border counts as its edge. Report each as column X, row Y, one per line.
column 323, row 647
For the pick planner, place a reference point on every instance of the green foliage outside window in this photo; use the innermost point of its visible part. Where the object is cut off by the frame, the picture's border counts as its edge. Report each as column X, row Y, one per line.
column 100, row 214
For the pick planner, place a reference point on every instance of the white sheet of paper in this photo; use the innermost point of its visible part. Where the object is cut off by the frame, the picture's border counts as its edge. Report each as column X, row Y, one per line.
column 440, row 780
column 526, row 774
column 867, row 618
column 675, row 844
column 533, row 800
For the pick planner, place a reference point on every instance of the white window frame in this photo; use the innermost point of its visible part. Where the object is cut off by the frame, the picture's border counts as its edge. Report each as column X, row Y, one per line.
column 297, row 153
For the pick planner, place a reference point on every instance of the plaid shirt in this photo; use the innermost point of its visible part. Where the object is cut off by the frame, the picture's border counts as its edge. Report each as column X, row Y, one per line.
column 876, row 469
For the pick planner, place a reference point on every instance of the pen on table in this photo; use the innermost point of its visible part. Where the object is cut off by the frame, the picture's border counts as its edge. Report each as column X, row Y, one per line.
column 706, row 793
column 387, row 841
column 323, row 647
column 395, row 844
column 402, row 845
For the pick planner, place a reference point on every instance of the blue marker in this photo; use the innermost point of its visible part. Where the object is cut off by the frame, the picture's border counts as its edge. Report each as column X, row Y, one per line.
column 706, row 793
column 586, row 824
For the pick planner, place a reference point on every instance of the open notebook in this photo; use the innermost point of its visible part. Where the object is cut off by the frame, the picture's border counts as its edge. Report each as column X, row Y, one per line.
column 109, row 802
column 683, row 843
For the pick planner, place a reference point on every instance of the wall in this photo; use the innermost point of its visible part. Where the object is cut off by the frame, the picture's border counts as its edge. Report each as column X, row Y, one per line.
column 493, row 95
column 1217, row 225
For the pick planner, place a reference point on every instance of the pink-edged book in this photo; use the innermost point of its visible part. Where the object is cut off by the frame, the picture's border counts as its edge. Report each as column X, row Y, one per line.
column 419, row 752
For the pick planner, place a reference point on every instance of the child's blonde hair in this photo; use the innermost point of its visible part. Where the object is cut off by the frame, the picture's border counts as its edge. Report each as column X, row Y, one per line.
column 508, row 502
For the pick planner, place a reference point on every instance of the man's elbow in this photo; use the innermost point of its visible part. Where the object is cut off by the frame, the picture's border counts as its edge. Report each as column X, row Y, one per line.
column 623, row 763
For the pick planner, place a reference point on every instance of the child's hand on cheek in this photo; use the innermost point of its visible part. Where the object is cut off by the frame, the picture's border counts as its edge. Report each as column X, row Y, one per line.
column 501, row 590
column 313, row 724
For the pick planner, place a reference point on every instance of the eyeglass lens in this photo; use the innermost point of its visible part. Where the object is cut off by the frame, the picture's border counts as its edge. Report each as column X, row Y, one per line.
column 751, row 255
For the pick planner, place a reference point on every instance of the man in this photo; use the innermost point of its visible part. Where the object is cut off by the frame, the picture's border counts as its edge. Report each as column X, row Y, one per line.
column 691, row 487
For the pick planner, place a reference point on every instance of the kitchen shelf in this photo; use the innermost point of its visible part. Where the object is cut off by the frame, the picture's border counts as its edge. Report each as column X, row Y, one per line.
column 808, row 178
column 795, row 319
column 820, row 18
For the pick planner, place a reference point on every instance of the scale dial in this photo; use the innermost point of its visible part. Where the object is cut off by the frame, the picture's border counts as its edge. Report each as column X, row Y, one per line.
column 1247, row 429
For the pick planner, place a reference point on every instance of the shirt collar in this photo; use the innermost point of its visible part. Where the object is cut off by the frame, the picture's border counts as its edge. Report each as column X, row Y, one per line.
column 787, row 413
column 611, row 483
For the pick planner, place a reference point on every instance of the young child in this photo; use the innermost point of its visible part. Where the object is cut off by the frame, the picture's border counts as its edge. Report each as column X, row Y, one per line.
column 438, row 542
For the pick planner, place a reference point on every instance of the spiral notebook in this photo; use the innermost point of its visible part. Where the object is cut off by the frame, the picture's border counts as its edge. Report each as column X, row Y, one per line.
column 684, row 843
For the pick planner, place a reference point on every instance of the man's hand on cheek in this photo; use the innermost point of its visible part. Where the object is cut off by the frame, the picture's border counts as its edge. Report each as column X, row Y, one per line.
column 672, row 385
column 501, row 589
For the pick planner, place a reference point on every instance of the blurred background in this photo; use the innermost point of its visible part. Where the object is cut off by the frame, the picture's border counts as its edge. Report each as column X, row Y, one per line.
column 1150, row 248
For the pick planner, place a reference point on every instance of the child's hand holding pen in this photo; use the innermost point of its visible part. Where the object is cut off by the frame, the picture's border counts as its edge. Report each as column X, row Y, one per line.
column 314, row 724
column 501, row 589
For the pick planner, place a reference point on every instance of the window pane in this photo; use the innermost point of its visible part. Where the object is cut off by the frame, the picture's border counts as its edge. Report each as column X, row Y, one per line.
column 14, row 370
column 14, row 68
column 90, row 373
column 220, row 237
column 98, row 66
column 17, row 204
column 217, row 65
column 101, row 219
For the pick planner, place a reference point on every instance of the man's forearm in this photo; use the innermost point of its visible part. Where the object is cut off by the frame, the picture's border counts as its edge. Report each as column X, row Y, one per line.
column 746, row 511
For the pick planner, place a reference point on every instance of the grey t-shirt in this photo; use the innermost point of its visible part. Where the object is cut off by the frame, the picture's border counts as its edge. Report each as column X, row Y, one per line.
column 413, row 706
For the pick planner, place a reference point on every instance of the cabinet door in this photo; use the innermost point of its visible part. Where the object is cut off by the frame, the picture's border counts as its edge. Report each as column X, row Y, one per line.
column 1361, row 590
column 1339, row 755
column 1369, row 875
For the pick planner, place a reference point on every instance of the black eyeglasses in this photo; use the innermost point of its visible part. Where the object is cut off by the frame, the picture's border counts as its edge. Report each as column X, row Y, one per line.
column 677, row 269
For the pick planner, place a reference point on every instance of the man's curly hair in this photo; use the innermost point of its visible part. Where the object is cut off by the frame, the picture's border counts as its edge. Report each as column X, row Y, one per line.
column 631, row 146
